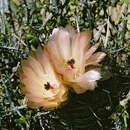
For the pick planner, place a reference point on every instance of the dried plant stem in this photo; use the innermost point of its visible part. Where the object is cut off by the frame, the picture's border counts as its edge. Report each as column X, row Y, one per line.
column 45, row 22
column 107, row 34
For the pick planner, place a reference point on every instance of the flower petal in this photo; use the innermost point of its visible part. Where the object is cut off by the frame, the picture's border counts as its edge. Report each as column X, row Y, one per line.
column 62, row 40
column 87, row 80
column 34, row 65
column 36, row 72
column 91, row 51
column 78, row 89
column 80, row 44
column 55, row 57
column 47, row 105
column 95, row 58
column 71, row 31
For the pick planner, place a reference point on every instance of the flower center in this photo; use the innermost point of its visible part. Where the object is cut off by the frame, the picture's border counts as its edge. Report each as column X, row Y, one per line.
column 71, row 63
column 48, row 86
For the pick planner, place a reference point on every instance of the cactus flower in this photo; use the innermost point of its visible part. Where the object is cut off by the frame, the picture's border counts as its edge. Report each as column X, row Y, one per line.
column 39, row 82
column 72, row 55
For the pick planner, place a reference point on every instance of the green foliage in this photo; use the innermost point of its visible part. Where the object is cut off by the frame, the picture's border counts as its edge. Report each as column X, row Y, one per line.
column 121, row 117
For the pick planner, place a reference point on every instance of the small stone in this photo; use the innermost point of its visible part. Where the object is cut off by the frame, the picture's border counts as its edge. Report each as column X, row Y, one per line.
column 116, row 12
column 101, row 12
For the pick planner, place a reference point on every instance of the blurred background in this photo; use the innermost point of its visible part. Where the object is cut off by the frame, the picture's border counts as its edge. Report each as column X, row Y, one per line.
column 25, row 24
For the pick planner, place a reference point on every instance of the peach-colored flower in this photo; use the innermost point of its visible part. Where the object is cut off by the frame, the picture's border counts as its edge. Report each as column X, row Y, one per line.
column 39, row 82
column 71, row 54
